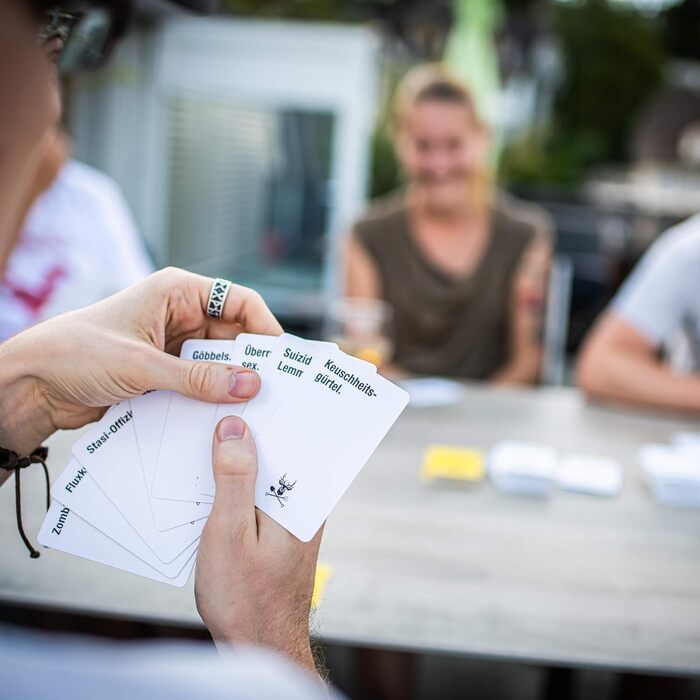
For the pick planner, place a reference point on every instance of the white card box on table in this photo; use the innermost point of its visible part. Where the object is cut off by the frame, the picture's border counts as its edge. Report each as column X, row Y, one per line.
column 523, row 468
column 672, row 475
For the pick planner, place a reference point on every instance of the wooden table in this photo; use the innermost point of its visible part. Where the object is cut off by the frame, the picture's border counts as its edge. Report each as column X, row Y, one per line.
column 572, row 580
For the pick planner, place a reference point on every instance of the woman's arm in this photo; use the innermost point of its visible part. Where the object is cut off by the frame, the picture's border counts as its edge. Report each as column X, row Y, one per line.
column 361, row 274
column 528, row 303
column 362, row 280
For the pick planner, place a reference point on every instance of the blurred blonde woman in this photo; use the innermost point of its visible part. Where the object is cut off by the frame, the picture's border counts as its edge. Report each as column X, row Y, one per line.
column 463, row 267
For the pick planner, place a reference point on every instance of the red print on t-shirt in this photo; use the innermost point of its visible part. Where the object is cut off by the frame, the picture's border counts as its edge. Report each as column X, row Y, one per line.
column 35, row 299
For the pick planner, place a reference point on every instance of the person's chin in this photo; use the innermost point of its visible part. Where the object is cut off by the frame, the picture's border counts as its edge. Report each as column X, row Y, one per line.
column 445, row 200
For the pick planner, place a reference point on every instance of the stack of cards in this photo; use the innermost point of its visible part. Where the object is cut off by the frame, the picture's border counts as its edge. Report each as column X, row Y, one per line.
column 524, row 468
column 597, row 476
column 672, row 473
column 140, row 486
column 533, row 469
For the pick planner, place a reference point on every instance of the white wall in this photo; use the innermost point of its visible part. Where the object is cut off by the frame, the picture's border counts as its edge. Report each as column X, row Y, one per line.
column 118, row 115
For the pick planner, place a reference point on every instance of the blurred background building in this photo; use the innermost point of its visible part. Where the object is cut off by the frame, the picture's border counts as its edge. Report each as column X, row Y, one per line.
column 247, row 144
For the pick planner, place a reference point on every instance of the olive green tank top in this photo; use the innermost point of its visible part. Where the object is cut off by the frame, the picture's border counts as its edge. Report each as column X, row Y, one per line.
column 445, row 325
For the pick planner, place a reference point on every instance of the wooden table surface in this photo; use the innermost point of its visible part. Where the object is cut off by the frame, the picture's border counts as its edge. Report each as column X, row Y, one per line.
column 571, row 579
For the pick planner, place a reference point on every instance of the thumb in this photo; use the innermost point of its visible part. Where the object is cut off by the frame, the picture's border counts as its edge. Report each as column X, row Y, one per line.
column 204, row 381
column 235, row 463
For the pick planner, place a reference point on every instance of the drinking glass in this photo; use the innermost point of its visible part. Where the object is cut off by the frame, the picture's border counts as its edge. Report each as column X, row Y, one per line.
column 362, row 328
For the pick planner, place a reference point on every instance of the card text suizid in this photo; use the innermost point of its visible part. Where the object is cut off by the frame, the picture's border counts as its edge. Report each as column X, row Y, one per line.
column 294, row 356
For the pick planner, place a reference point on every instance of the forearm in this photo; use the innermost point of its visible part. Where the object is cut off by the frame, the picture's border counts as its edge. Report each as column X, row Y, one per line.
column 527, row 308
column 299, row 652
column 620, row 376
column 519, row 370
column 24, row 421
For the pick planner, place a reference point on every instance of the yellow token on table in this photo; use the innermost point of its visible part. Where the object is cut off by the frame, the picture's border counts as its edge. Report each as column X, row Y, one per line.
column 323, row 575
column 455, row 463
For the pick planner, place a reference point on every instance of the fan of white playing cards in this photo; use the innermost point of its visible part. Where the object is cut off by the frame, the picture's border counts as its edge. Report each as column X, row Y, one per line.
column 139, row 488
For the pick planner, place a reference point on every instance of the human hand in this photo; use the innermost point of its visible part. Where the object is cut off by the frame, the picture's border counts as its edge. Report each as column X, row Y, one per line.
column 254, row 580
column 64, row 372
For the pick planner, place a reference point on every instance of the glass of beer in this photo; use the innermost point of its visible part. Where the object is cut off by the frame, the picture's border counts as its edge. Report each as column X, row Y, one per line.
column 362, row 328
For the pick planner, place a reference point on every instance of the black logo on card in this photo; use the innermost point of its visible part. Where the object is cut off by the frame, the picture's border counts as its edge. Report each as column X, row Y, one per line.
column 279, row 492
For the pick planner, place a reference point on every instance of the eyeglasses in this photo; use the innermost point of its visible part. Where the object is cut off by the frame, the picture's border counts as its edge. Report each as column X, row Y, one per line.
column 86, row 36
column 58, row 24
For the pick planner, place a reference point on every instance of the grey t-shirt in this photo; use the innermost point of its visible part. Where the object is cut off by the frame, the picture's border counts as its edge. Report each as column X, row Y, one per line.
column 661, row 298
column 37, row 666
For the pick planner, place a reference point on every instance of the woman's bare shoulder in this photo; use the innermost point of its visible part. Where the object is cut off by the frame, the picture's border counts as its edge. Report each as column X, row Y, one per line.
column 524, row 217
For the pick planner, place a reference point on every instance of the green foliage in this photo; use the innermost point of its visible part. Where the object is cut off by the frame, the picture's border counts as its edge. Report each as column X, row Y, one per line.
column 613, row 62
column 385, row 174
column 538, row 159
column 613, row 59
column 326, row 10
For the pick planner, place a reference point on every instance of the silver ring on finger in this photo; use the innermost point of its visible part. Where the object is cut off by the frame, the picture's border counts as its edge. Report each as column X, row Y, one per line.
column 217, row 297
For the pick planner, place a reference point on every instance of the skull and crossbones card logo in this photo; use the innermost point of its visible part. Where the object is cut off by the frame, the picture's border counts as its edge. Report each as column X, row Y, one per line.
column 280, row 491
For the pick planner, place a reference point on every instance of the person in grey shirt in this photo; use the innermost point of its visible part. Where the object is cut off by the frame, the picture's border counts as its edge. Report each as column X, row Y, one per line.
column 646, row 347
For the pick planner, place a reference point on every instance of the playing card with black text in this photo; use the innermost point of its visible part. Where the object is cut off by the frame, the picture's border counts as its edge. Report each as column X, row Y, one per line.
column 139, row 488
column 187, row 436
column 318, row 439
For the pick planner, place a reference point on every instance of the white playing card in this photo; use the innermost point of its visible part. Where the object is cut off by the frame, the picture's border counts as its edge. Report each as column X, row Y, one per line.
column 136, row 477
column 672, row 474
column 67, row 532
column 319, row 438
column 525, row 468
column 290, row 359
column 598, row 476
column 110, row 455
column 253, row 352
column 187, row 434
column 149, row 414
column 79, row 492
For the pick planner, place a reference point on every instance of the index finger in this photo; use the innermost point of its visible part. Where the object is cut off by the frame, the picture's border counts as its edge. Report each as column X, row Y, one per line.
column 245, row 307
column 244, row 311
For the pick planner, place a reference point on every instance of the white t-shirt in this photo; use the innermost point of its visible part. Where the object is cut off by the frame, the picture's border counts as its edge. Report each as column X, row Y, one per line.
column 661, row 298
column 79, row 245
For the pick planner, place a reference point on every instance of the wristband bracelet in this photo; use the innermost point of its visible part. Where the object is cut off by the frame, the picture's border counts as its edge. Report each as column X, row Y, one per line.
column 11, row 461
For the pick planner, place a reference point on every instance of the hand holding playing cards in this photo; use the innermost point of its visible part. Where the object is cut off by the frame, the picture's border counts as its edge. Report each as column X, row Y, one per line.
column 62, row 373
column 254, row 580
